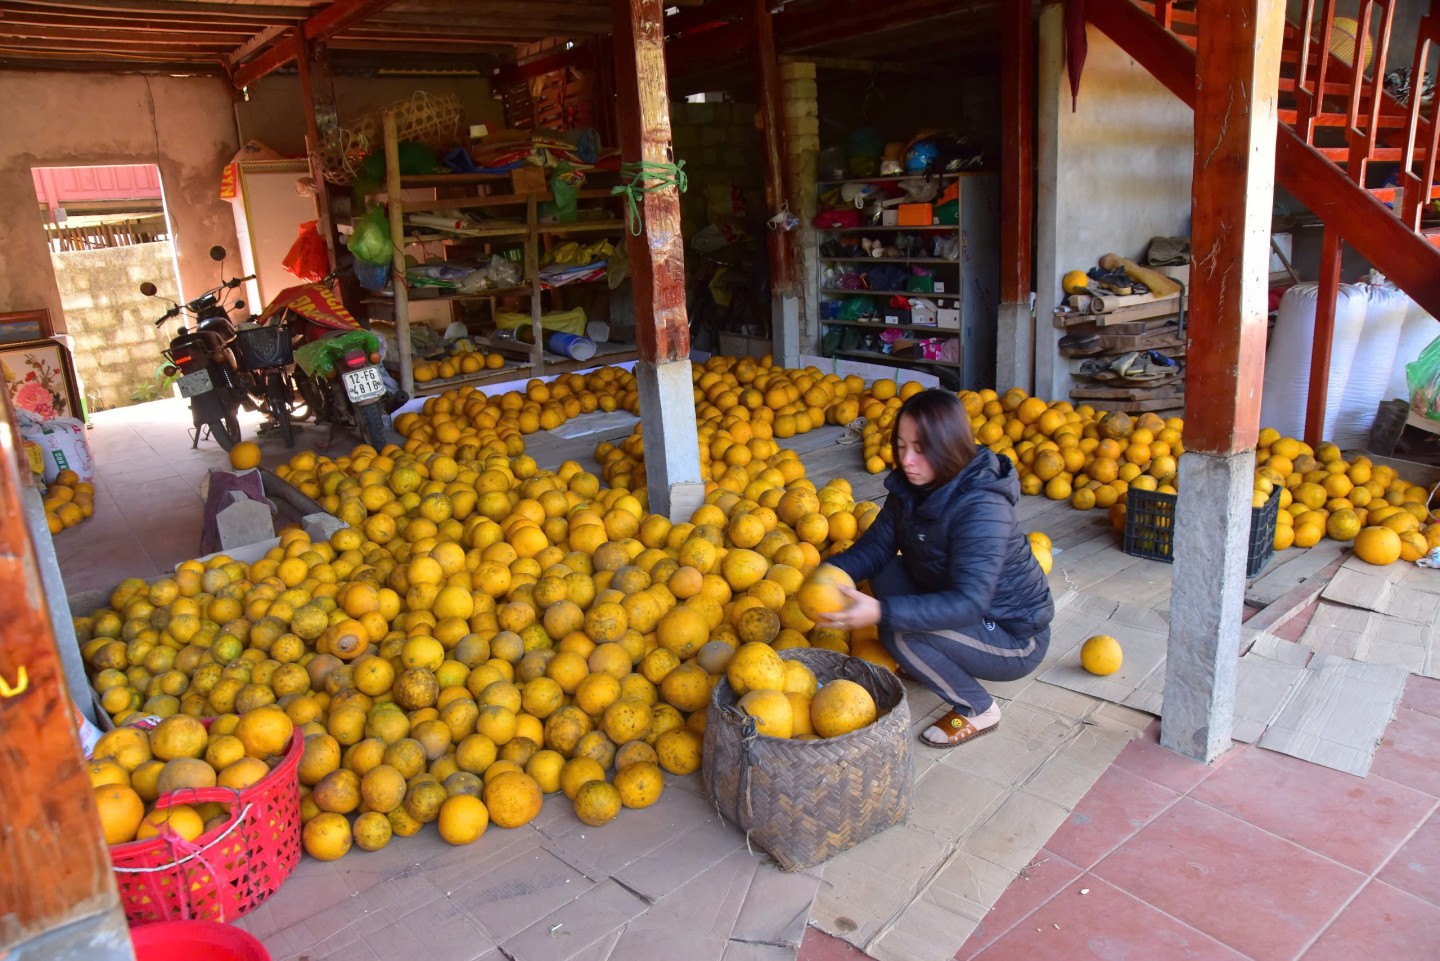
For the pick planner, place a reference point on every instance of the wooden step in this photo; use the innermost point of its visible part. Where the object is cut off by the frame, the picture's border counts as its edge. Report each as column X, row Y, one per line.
column 1387, row 121
column 1387, row 194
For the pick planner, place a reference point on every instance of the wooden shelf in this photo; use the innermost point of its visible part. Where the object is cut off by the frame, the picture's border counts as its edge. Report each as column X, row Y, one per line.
column 887, row 293
column 477, row 295
column 497, row 376
column 493, row 200
column 892, row 359
column 889, row 260
column 894, row 178
column 881, row 325
column 606, row 225
column 861, row 230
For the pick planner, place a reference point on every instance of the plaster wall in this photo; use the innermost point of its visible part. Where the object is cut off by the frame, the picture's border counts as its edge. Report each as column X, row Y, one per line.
column 184, row 125
column 1111, row 174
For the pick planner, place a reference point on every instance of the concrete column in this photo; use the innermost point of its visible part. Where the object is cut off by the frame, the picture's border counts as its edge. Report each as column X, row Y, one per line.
column 672, row 444
column 800, row 99
column 1212, row 538
column 1015, row 348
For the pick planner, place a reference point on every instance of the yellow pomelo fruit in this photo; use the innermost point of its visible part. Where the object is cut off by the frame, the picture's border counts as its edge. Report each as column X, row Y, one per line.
column 1101, row 655
column 841, row 707
column 1378, row 545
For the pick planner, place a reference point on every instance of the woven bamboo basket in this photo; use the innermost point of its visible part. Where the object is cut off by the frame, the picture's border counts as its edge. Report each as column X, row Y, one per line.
column 806, row 801
column 431, row 119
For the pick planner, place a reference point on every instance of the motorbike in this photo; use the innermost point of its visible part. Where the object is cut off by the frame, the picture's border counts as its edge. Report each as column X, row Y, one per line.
column 203, row 358
column 337, row 370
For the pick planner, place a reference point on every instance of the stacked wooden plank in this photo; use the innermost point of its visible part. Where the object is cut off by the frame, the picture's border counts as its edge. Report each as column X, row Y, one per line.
column 1111, row 328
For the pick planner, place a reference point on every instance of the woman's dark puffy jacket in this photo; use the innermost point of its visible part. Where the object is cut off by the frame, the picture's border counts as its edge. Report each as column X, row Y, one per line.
column 963, row 546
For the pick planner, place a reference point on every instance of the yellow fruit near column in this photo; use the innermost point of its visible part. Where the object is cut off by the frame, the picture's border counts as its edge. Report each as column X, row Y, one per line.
column 245, row 455
column 1378, row 545
column 120, row 812
column 1101, row 655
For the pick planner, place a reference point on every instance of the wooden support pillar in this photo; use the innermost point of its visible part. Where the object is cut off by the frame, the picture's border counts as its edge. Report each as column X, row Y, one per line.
column 57, row 889
column 1320, row 352
column 784, row 293
column 657, row 266
column 317, row 93
column 1015, row 345
column 1233, row 188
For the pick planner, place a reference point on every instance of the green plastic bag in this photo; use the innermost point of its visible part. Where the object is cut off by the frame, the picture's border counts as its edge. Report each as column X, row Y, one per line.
column 1423, row 378
column 318, row 358
column 565, row 186
column 371, row 240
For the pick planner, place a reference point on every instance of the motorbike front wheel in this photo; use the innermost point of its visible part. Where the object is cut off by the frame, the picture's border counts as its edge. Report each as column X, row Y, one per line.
column 372, row 425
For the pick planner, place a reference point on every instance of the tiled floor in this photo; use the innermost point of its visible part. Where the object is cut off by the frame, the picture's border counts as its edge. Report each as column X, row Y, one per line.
column 1258, row 856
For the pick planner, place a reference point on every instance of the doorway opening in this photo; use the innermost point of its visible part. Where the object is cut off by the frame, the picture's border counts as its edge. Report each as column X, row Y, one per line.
column 109, row 232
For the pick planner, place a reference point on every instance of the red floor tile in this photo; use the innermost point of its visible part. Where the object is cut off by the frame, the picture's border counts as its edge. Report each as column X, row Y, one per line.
column 1105, row 924
column 1357, row 821
column 1407, row 753
column 819, row 946
column 1145, row 757
column 1422, row 694
column 1116, row 806
column 1292, row 628
column 1258, row 893
column 1382, row 922
column 1416, row 866
column 1049, row 875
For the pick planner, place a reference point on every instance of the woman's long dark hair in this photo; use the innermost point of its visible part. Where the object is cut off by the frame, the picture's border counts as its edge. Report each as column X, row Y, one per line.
column 943, row 429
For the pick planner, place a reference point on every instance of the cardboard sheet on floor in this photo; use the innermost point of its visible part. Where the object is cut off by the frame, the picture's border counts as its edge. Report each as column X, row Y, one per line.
column 1143, row 634
column 615, row 420
column 1264, row 680
column 1337, row 713
column 1377, row 638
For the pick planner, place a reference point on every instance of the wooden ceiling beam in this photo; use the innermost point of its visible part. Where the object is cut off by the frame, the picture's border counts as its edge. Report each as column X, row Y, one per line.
column 258, row 13
column 11, row 20
column 339, row 17
column 409, row 46
column 110, row 35
column 186, row 50
column 272, row 59
column 256, row 43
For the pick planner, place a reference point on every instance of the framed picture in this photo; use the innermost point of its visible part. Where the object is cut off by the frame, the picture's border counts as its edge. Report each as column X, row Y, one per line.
column 25, row 325
column 40, row 378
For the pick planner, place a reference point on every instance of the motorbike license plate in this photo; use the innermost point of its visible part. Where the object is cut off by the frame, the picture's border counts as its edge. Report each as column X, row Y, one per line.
column 196, row 382
column 364, row 384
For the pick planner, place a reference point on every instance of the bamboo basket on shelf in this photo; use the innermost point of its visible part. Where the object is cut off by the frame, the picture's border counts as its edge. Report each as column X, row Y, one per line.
column 431, row 119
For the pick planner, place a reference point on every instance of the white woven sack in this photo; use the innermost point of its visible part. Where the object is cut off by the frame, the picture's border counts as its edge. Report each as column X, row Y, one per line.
column 1287, row 358
column 1385, row 308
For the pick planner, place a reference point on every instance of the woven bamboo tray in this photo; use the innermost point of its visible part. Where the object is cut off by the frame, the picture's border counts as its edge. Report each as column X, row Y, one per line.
column 806, row 801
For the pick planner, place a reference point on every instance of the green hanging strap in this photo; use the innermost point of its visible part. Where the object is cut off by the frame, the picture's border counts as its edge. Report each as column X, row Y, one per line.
column 664, row 175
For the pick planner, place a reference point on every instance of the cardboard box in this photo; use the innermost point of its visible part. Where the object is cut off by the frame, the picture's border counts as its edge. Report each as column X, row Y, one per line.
column 890, row 217
column 740, row 345
column 916, row 215
column 529, row 179
column 948, row 318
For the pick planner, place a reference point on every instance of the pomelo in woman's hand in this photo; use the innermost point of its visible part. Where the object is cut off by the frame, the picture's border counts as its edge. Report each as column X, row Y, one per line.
column 1101, row 655
column 821, row 595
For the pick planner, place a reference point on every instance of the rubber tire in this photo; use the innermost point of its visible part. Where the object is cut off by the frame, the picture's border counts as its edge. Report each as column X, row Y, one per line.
column 226, row 431
column 372, row 425
column 279, row 402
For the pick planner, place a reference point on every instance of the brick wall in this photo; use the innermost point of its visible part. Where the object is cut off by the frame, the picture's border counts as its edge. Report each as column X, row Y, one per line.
column 721, row 147
column 117, row 345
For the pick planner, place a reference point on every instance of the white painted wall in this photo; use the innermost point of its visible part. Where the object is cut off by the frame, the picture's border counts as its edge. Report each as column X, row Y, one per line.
column 1111, row 174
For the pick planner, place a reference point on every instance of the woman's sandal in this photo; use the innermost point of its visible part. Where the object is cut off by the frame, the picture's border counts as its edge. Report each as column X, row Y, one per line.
column 958, row 730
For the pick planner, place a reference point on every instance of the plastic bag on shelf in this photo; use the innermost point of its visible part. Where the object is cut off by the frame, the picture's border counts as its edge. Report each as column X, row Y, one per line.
column 371, row 240
column 307, row 258
column 1423, row 378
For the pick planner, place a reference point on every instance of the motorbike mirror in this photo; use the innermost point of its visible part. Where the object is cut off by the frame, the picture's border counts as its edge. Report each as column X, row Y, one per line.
column 148, row 289
column 217, row 253
column 239, row 304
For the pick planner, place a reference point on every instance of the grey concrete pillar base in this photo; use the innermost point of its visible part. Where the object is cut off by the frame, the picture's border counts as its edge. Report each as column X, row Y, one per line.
column 1015, row 348
column 672, row 439
column 785, row 331
column 1212, row 536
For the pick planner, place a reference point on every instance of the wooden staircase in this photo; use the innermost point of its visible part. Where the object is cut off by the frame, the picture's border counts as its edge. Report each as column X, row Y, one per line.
column 1339, row 138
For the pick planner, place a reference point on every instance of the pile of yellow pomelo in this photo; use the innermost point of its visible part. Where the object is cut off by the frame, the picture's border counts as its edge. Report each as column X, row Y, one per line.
column 486, row 633
column 459, row 363
column 68, row 501
column 1092, row 459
